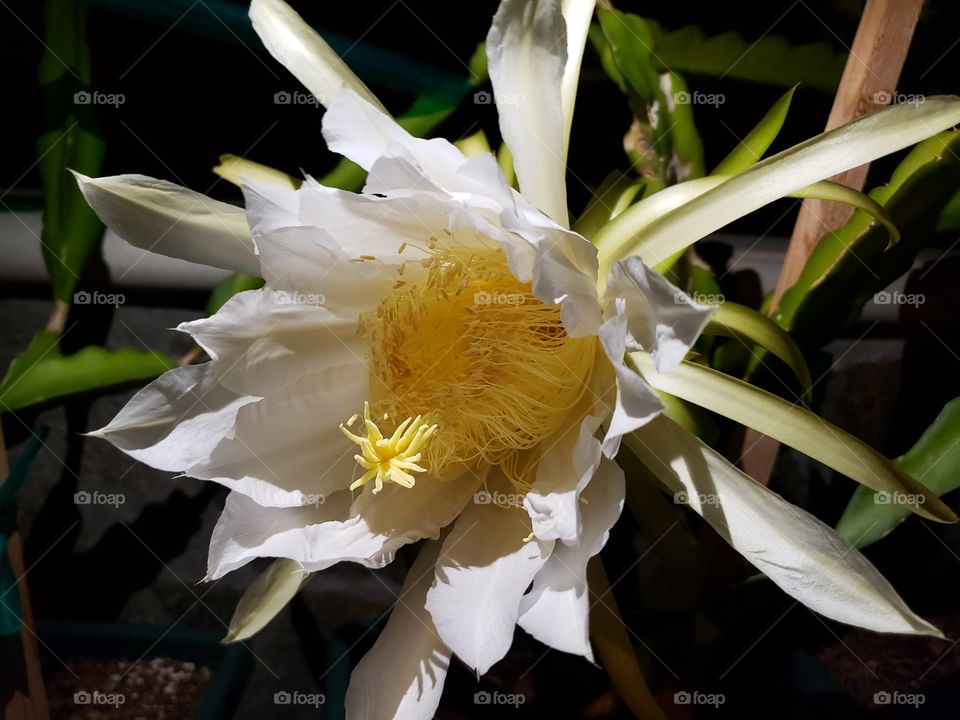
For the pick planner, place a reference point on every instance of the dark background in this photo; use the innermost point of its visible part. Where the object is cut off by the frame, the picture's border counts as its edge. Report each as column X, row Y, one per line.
column 195, row 87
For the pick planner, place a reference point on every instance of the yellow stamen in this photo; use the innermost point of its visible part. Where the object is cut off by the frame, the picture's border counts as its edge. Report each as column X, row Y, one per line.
column 392, row 459
column 466, row 344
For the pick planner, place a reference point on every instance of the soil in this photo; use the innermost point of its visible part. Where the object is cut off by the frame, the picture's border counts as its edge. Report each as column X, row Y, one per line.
column 867, row 663
column 158, row 688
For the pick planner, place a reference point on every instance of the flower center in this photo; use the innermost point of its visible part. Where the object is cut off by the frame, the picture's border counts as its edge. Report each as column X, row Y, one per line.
column 461, row 341
column 391, row 459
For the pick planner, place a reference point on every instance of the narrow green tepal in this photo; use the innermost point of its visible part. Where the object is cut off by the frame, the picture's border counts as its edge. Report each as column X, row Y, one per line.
column 934, row 461
column 69, row 139
column 265, row 597
column 794, row 426
column 749, row 150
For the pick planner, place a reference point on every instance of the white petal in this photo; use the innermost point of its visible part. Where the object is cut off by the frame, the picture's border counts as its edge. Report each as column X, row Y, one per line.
column 357, row 224
column 576, row 15
column 308, row 265
column 369, row 531
column 177, row 420
column 570, row 460
column 263, row 340
column 661, row 318
column 363, row 133
column 636, row 403
column 303, row 52
column 557, row 610
column 802, row 555
column 170, row 220
column 402, row 675
column 247, row 530
column 484, row 568
column 526, row 54
column 565, row 273
column 287, row 449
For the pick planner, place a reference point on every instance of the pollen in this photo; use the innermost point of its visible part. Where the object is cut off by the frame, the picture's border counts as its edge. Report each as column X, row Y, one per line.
column 389, row 459
column 466, row 344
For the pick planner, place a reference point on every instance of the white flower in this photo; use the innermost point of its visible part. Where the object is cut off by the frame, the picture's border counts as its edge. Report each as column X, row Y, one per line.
column 422, row 350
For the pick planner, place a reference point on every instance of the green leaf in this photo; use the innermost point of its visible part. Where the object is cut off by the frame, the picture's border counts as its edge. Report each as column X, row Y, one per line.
column 41, row 373
column 267, row 595
column 846, row 147
column 227, row 288
column 69, row 138
column 631, row 42
column 770, row 60
column 663, row 142
column 755, row 328
column 849, row 266
column 685, row 141
column 950, row 217
column 757, row 142
column 794, row 426
column 935, row 460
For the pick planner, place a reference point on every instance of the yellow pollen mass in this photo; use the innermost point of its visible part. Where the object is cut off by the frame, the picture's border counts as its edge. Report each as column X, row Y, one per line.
column 461, row 341
column 389, row 459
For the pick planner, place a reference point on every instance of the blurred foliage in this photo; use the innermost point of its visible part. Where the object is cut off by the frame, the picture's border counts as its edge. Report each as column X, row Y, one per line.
column 852, row 264
column 70, row 139
column 934, row 460
column 41, row 373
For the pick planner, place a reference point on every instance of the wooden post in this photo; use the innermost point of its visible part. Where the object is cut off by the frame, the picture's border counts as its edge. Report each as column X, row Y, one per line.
column 868, row 83
column 33, row 706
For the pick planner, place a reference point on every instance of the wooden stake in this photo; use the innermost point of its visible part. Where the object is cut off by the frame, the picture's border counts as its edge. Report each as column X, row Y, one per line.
column 869, row 82
column 34, row 706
